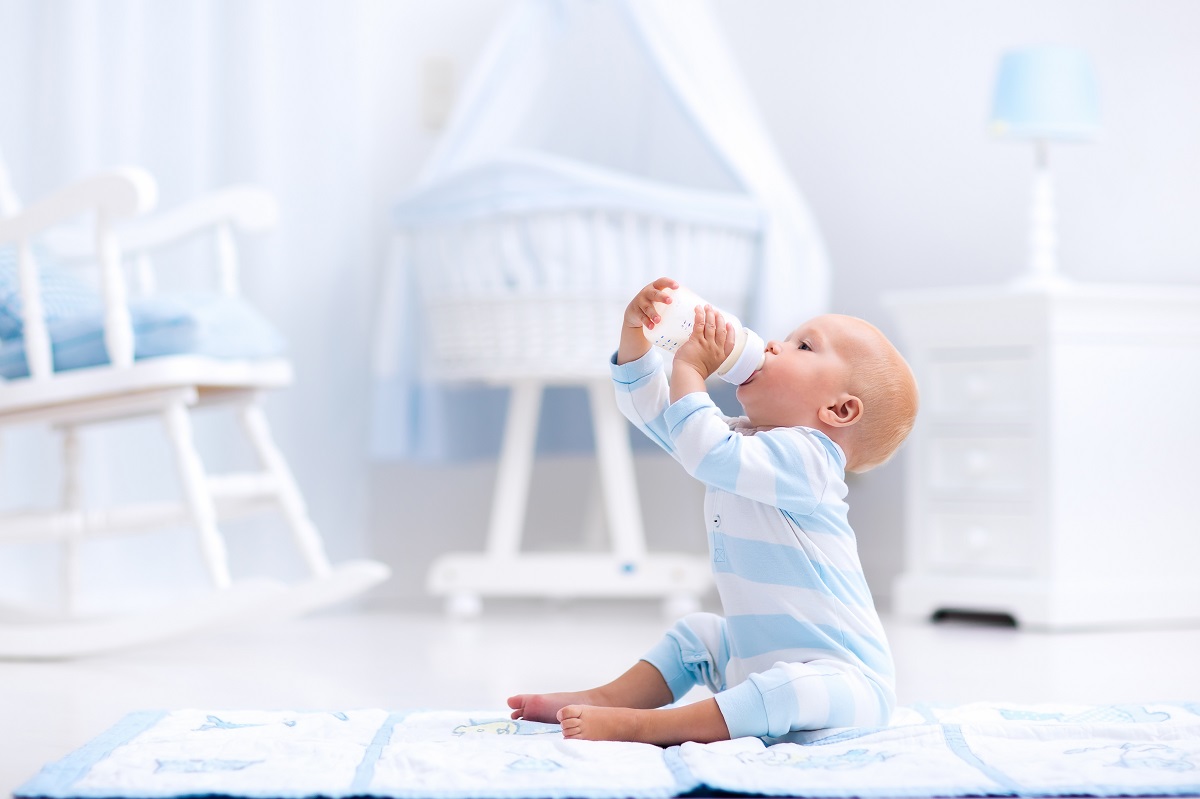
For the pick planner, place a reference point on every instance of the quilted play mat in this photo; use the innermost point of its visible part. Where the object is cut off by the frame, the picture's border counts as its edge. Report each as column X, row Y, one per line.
column 985, row 749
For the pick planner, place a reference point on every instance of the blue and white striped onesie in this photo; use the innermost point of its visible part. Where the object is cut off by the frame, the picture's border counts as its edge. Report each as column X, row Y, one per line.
column 801, row 646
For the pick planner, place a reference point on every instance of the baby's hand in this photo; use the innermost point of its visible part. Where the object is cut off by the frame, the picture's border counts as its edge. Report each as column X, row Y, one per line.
column 641, row 308
column 711, row 342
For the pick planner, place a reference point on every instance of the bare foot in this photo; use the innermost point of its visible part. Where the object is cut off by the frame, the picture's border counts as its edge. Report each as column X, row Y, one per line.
column 701, row 722
column 545, row 707
column 591, row 723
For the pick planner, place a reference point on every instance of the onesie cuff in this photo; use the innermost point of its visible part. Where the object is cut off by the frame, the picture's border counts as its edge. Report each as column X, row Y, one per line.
column 637, row 370
column 667, row 657
column 678, row 412
column 744, row 710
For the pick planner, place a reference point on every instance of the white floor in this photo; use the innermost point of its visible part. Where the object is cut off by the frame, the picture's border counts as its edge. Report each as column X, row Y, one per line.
column 423, row 661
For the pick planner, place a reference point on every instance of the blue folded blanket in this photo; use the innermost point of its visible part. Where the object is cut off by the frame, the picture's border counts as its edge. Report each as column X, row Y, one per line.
column 213, row 325
column 985, row 749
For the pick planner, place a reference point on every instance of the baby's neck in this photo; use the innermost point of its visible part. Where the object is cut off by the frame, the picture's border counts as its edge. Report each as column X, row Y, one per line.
column 838, row 435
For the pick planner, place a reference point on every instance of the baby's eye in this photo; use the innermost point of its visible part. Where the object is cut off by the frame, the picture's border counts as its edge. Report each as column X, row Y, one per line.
column 804, row 346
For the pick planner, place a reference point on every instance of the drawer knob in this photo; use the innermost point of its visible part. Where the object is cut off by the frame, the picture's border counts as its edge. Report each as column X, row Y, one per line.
column 978, row 538
column 978, row 463
column 978, row 387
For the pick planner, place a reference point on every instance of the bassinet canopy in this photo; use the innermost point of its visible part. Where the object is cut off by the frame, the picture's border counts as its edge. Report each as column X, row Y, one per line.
column 598, row 144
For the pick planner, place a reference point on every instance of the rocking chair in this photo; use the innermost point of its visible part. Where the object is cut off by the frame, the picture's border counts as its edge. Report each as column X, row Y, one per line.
column 72, row 357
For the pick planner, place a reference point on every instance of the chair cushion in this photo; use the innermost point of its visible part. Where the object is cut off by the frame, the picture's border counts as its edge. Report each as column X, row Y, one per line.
column 214, row 325
column 63, row 294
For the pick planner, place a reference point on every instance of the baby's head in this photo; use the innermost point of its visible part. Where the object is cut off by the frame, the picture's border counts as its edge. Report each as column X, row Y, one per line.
column 840, row 375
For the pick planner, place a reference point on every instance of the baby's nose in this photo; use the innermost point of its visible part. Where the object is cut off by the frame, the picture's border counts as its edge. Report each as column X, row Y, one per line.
column 774, row 347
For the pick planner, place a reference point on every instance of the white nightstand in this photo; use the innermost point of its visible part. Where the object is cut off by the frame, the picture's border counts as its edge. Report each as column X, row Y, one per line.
column 1054, row 472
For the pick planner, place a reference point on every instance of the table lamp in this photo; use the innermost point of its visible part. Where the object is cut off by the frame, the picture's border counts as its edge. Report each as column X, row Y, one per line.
column 1045, row 94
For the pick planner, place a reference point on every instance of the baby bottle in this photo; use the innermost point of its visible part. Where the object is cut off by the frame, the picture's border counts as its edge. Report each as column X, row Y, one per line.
column 679, row 317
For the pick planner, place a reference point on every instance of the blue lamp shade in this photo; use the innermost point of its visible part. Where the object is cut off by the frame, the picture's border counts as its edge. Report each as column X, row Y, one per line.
column 1046, row 93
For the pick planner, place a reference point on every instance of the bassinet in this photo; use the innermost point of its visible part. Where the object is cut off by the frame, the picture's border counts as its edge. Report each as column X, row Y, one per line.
column 524, row 265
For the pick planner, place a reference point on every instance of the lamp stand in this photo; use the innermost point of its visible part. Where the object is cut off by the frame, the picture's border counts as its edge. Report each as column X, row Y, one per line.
column 1043, row 241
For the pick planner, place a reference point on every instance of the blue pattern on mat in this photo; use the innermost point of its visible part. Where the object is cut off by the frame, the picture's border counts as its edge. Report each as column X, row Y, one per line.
column 58, row 778
column 214, row 723
column 365, row 773
column 984, row 749
column 958, row 745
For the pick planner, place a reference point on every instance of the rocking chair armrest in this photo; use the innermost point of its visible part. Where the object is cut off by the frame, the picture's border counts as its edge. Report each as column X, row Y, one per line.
column 217, row 214
column 113, row 195
column 246, row 207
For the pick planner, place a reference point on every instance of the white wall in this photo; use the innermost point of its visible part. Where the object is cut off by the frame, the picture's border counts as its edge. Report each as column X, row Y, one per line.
column 877, row 107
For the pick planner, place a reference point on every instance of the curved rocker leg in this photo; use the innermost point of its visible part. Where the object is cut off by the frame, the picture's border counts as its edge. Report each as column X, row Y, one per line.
column 68, row 638
column 342, row 582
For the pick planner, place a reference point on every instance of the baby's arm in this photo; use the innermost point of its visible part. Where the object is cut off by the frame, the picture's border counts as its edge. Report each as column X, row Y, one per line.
column 639, row 380
column 641, row 312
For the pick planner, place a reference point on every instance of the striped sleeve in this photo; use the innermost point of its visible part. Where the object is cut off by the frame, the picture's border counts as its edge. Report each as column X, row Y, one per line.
column 788, row 467
column 643, row 394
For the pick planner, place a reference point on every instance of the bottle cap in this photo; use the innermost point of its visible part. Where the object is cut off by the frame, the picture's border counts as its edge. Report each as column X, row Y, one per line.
column 750, row 361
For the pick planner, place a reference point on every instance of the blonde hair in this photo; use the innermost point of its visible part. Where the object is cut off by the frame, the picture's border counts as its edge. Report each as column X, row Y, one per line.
column 882, row 379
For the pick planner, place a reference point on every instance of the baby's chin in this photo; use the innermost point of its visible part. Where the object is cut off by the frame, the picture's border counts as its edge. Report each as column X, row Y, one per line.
column 740, row 392
column 747, row 413
column 743, row 391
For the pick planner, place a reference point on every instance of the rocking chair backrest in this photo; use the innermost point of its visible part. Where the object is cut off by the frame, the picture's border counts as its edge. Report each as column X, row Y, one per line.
column 110, row 196
column 108, row 243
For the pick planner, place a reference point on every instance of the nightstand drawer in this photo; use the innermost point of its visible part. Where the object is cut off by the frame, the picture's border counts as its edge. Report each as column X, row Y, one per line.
column 999, row 388
column 981, row 543
column 980, row 468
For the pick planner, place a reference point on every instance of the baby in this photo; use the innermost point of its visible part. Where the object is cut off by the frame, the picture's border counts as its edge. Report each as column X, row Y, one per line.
column 801, row 647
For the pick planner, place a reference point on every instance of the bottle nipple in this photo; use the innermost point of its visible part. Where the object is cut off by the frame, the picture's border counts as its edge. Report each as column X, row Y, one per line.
column 748, row 356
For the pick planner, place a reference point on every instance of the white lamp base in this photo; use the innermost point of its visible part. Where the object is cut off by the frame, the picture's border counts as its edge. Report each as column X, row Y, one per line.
column 1041, row 281
column 1043, row 242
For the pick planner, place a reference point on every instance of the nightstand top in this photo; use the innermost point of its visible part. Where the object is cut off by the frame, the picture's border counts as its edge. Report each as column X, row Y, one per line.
column 1066, row 292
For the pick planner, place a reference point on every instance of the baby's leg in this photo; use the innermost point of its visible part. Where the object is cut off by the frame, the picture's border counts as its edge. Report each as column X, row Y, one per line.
column 700, row 721
column 640, row 687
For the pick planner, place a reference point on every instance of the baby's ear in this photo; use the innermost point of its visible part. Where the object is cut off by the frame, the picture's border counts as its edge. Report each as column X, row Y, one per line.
column 846, row 411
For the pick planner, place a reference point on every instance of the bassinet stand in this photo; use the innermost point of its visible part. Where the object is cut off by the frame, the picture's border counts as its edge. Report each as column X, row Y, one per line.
column 627, row 570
